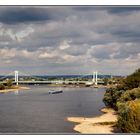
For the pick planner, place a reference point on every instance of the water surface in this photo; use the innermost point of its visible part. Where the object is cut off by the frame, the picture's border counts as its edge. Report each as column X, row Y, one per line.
column 36, row 111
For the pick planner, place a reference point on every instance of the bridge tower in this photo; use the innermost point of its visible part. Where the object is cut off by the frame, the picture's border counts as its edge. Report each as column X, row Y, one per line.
column 16, row 77
column 93, row 78
column 96, row 78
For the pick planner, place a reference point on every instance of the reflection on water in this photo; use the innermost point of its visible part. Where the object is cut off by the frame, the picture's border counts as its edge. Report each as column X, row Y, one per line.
column 16, row 92
column 36, row 111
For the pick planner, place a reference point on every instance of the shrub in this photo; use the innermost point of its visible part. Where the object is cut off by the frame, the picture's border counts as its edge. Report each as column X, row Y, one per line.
column 132, row 81
column 9, row 83
column 105, row 81
column 129, row 116
column 130, row 95
column 126, row 99
column 2, row 87
column 111, row 97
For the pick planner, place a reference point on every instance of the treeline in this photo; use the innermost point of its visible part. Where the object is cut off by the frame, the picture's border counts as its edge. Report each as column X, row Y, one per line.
column 125, row 99
column 8, row 84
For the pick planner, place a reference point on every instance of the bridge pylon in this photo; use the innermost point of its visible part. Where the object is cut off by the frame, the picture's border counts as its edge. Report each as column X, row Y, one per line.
column 95, row 78
column 16, row 77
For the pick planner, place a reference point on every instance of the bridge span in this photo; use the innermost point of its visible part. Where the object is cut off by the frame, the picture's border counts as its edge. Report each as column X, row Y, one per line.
column 17, row 81
column 48, row 82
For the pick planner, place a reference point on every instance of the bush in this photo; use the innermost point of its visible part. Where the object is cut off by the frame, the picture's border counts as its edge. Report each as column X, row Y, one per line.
column 2, row 87
column 130, row 95
column 105, row 81
column 9, row 83
column 132, row 81
column 111, row 97
column 129, row 116
column 126, row 99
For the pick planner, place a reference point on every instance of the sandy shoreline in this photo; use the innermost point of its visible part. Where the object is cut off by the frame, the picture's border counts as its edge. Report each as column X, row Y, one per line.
column 102, row 124
column 13, row 89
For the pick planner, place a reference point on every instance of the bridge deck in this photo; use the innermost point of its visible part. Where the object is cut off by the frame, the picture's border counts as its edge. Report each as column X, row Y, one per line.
column 53, row 82
column 46, row 82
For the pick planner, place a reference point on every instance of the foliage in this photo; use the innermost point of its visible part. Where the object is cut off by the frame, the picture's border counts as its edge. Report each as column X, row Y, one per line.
column 130, row 95
column 2, row 87
column 105, row 81
column 125, row 98
column 106, row 123
column 132, row 81
column 111, row 97
column 6, row 85
column 129, row 116
column 9, row 83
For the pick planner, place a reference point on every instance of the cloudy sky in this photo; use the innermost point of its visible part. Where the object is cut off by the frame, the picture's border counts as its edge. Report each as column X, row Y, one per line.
column 69, row 40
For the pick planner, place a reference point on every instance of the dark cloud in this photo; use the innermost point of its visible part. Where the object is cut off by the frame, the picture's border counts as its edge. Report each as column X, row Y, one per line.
column 127, row 33
column 110, row 9
column 81, row 39
column 123, row 9
column 87, row 8
column 20, row 15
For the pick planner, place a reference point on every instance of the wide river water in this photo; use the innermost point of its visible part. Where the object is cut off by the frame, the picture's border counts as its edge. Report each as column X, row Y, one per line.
column 36, row 111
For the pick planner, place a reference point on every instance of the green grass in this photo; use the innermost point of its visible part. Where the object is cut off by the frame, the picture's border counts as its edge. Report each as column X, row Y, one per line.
column 106, row 123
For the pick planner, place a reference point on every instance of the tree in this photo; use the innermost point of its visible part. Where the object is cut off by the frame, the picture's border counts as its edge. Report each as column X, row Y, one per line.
column 105, row 81
column 130, row 95
column 2, row 87
column 111, row 97
column 129, row 116
column 9, row 83
column 132, row 81
column 125, row 97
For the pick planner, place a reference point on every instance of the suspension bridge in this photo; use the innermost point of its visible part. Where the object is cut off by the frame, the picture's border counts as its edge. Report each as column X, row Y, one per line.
column 18, row 77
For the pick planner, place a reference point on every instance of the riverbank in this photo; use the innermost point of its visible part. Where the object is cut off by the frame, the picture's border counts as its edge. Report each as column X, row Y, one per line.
column 103, row 124
column 76, row 86
column 14, row 88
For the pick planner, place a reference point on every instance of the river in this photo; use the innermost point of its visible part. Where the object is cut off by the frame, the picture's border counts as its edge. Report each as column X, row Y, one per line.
column 36, row 111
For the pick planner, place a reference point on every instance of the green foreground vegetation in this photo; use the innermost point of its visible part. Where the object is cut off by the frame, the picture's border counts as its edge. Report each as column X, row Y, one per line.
column 125, row 99
column 7, row 85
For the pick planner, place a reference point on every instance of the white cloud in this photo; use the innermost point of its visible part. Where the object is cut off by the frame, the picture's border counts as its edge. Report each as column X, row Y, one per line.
column 24, row 33
column 79, row 40
column 16, row 35
column 46, row 55
column 64, row 45
column 7, row 53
